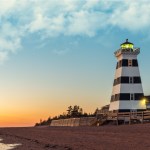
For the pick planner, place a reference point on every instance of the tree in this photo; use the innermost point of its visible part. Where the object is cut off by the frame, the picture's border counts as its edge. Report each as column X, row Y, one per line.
column 81, row 111
column 69, row 110
column 77, row 111
column 72, row 111
column 49, row 120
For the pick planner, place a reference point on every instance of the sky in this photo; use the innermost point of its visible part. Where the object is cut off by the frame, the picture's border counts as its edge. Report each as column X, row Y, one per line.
column 57, row 53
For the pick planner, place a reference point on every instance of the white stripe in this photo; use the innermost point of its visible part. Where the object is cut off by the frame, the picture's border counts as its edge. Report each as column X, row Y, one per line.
column 127, row 71
column 125, row 56
column 127, row 88
column 130, row 71
column 127, row 105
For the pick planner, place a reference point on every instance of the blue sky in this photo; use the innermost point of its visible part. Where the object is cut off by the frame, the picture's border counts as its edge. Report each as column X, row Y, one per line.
column 56, row 53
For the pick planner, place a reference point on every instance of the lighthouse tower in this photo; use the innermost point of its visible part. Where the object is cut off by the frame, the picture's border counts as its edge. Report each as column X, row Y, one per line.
column 127, row 93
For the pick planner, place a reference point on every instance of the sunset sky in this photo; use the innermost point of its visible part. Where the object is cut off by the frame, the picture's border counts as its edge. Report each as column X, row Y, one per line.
column 56, row 53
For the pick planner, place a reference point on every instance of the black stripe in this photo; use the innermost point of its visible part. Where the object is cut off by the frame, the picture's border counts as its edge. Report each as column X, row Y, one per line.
column 126, row 80
column 127, row 96
column 125, row 63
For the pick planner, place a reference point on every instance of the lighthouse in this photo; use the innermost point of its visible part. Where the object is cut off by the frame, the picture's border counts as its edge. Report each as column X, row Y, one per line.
column 127, row 94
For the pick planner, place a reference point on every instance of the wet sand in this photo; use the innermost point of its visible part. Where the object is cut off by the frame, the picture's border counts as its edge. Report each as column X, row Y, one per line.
column 112, row 137
column 7, row 146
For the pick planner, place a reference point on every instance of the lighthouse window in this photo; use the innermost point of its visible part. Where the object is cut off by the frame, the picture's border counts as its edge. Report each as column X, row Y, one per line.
column 139, row 96
column 137, row 80
column 124, row 96
column 124, row 62
column 124, row 79
column 129, row 62
column 135, row 62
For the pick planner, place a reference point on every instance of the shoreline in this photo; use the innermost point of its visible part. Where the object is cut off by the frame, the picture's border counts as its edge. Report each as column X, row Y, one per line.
column 4, row 146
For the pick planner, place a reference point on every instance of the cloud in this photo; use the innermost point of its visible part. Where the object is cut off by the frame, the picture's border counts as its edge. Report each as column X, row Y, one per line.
column 86, row 23
column 10, row 40
column 54, row 18
column 61, row 52
column 133, row 16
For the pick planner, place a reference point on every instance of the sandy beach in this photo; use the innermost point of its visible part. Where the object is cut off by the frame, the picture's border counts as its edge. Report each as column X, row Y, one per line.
column 112, row 137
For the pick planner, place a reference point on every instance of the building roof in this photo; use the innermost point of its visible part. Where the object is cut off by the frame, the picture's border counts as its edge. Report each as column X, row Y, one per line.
column 147, row 97
column 105, row 107
column 127, row 42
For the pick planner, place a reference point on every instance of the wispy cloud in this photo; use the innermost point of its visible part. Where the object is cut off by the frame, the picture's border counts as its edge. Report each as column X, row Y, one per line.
column 61, row 52
column 66, row 17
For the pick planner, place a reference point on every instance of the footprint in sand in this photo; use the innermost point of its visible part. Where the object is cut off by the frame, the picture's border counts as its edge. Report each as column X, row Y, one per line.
column 7, row 146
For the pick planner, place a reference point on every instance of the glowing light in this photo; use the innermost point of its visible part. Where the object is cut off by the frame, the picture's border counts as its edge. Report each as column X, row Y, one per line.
column 124, row 46
column 143, row 101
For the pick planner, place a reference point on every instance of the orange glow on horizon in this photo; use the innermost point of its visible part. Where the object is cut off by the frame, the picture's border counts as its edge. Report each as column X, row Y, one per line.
column 20, row 110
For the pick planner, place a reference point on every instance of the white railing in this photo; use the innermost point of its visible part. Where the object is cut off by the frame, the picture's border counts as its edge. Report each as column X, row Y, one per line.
column 127, row 50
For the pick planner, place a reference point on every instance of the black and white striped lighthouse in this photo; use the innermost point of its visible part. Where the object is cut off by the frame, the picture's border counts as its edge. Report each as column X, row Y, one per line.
column 127, row 93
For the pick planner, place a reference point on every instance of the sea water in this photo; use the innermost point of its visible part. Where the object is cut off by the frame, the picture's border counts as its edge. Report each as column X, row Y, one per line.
column 7, row 146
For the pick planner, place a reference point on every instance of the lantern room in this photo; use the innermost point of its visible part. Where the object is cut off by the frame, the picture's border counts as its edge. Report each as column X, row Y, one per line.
column 127, row 45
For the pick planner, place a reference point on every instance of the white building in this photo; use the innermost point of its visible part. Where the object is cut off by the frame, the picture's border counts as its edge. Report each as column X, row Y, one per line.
column 127, row 93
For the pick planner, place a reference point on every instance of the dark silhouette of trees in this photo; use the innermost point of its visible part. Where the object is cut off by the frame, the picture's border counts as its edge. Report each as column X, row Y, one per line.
column 72, row 112
column 69, row 111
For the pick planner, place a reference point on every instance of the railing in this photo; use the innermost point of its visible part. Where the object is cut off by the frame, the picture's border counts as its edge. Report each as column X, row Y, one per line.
column 128, row 116
column 124, row 117
column 127, row 50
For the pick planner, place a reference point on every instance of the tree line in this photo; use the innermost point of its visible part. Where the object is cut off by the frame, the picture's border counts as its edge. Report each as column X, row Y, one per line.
column 72, row 112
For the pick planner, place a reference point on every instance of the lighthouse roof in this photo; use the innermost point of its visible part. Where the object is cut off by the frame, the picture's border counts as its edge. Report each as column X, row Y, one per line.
column 126, row 42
